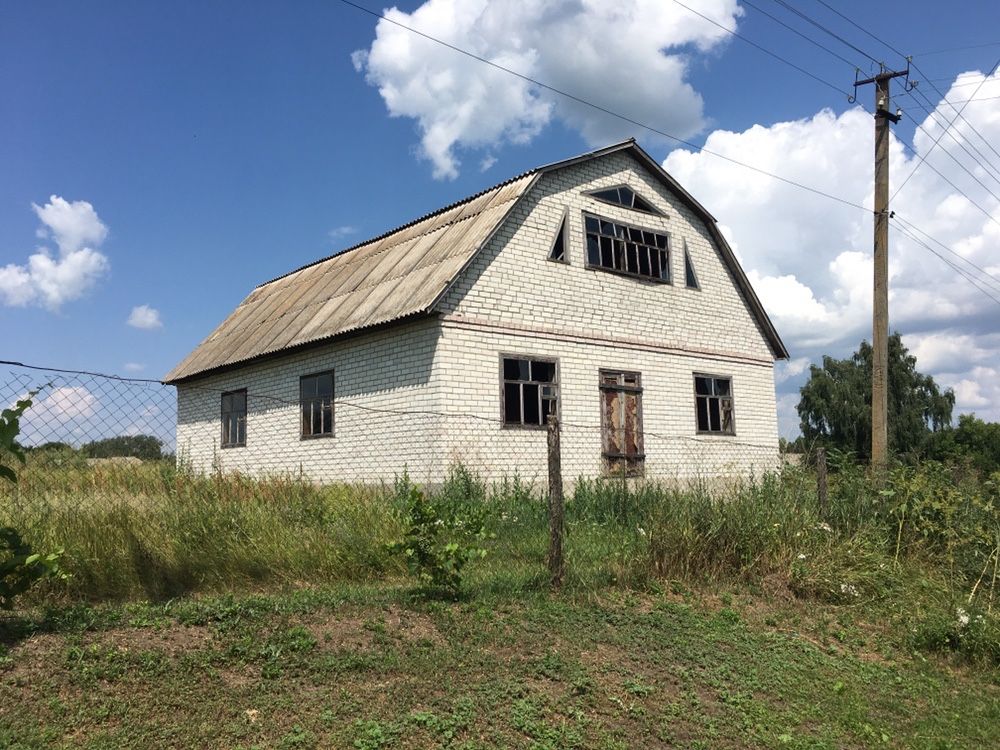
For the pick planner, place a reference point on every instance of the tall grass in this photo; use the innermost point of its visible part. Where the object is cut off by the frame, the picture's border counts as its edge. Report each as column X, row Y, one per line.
column 927, row 541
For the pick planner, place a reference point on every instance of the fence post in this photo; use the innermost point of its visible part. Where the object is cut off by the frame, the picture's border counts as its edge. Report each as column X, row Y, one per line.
column 555, row 504
column 822, row 487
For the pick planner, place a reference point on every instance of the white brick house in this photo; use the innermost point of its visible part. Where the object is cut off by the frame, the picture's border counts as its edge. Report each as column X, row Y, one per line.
column 450, row 339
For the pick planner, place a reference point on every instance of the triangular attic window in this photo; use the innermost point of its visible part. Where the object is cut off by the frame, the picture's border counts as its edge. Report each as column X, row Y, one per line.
column 558, row 251
column 625, row 196
column 689, row 278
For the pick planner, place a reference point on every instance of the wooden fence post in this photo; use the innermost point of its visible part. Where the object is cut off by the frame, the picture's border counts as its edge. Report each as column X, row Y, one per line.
column 555, row 504
column 822, row 487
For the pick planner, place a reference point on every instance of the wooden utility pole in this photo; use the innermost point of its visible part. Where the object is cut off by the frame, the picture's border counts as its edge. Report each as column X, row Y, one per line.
column 880, row 302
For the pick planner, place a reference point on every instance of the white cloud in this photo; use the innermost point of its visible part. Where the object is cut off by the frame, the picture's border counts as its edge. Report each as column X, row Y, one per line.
column 790, row 368
column 134, row 367
column 461, row 103
column 338, row 233
column 145, row 318
column 809, row 258
column 51, row 280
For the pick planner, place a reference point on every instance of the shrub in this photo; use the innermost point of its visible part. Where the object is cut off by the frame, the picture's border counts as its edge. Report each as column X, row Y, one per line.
column 437, row 545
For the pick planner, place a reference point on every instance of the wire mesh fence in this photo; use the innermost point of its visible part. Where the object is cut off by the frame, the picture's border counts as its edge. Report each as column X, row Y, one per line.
column 91, row 439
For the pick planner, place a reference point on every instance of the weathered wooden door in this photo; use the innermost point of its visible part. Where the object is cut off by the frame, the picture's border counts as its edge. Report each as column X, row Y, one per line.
column 621, row 422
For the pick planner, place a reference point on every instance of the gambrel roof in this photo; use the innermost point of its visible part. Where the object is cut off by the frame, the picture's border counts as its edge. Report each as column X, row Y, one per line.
column 401, row 274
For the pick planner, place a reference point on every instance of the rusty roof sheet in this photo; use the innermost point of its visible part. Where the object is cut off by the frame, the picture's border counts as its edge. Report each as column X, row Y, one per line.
column 393, row 276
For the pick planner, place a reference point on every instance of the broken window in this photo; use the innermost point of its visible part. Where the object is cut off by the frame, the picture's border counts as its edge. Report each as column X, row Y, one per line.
column 621, row 421
column 713, row 397
column 627, row 249
column 690, row 280
column 234, row 418
column 316, row 404
column 624, row 196
column 530, row 391
column 558, row 251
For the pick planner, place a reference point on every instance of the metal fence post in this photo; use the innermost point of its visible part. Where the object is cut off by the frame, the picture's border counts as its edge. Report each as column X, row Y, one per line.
column 555, row 504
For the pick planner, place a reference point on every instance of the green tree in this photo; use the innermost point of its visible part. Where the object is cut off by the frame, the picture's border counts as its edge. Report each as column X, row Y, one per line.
column 973, row 438
column 146, row 447
column 835, row 404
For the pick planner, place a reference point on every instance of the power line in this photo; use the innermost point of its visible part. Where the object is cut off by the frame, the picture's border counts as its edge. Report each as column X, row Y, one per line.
column 957, row 49
column 799, row 33
column 988, row 277
column 650, row 128
column 924, row 156
column 826, row 30
column 967, row 276
column 971, row 126
column 763, row 49
column 861, row 28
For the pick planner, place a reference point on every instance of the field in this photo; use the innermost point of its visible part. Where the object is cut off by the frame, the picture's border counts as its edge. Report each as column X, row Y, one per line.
column 224, row 612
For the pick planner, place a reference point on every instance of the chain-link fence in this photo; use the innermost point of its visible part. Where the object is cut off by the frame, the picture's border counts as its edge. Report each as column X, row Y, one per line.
column 90, row 438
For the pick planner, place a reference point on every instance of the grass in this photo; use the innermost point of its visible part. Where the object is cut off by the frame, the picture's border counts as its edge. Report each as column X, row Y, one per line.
column 697, row 617
column 372, row 667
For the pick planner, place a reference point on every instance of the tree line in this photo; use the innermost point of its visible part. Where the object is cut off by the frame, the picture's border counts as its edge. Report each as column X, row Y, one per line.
column 145, row 447
column 835, row 412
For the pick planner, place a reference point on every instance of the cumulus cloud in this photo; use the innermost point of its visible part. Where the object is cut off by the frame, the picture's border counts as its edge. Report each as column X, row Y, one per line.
column 51, row 279
column 810, row 258
column 134, row 367
column 145, row 318
column 459, row 103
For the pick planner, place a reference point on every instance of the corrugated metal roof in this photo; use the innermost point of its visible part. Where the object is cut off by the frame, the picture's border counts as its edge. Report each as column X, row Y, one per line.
column 393, row 276
column 402, row 273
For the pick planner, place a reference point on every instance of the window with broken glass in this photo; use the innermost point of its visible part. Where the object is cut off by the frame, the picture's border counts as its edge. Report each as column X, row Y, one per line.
column 623, row 195
column 625, row 249
column 316, row 404
column 621, row 421
column 530, row 391
column 234, row 419
column 713, row 398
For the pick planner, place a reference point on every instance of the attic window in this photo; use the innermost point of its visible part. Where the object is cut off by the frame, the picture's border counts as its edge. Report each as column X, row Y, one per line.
column 690, row 280
column 558, row 251
column 625, row 196
column 625, row 249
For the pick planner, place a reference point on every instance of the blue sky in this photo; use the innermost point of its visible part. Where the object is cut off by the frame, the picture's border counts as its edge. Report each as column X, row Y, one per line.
column 222, row 144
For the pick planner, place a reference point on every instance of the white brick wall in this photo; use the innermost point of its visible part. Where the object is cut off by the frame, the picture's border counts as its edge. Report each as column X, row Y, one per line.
column 513, row 300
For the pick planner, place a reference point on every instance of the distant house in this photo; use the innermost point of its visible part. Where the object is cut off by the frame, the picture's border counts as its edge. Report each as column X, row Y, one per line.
column 595, row 287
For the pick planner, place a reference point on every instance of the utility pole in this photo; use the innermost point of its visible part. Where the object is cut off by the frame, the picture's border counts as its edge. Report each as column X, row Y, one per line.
column 880, row 301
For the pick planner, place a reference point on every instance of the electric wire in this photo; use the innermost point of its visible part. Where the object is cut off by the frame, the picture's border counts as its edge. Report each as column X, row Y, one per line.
column 985, row 276
column 923, row 157
column 962, row 272
column 958, row 49
column 826, row 30
column 799, row 33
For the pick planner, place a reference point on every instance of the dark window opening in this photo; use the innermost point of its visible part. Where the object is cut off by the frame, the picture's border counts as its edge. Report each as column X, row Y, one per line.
column 530, row 391
column 713, row 398
column 316, row 405
column 621, row 422
column 558, row 251
column 234, row 419
column 690, row 280
column 628, row 250
column 625, row 196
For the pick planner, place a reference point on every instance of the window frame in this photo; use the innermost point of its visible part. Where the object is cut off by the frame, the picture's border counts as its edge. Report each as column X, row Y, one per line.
column 732, row 405
column 224, row 443
column 504, row 424
column 608, row 459
column 669, row 281
column 333, row 410
column 689, row 262
column 563, row 230
column 592, row 194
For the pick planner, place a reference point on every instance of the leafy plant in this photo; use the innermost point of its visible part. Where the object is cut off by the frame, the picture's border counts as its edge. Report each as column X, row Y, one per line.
column 20, row 566
column 437, row 545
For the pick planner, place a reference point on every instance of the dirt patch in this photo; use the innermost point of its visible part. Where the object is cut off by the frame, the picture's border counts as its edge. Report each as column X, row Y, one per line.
column 173, row 641
column 339, row 631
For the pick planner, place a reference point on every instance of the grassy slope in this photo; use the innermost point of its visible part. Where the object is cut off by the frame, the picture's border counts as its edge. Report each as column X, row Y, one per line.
column 371, row 668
